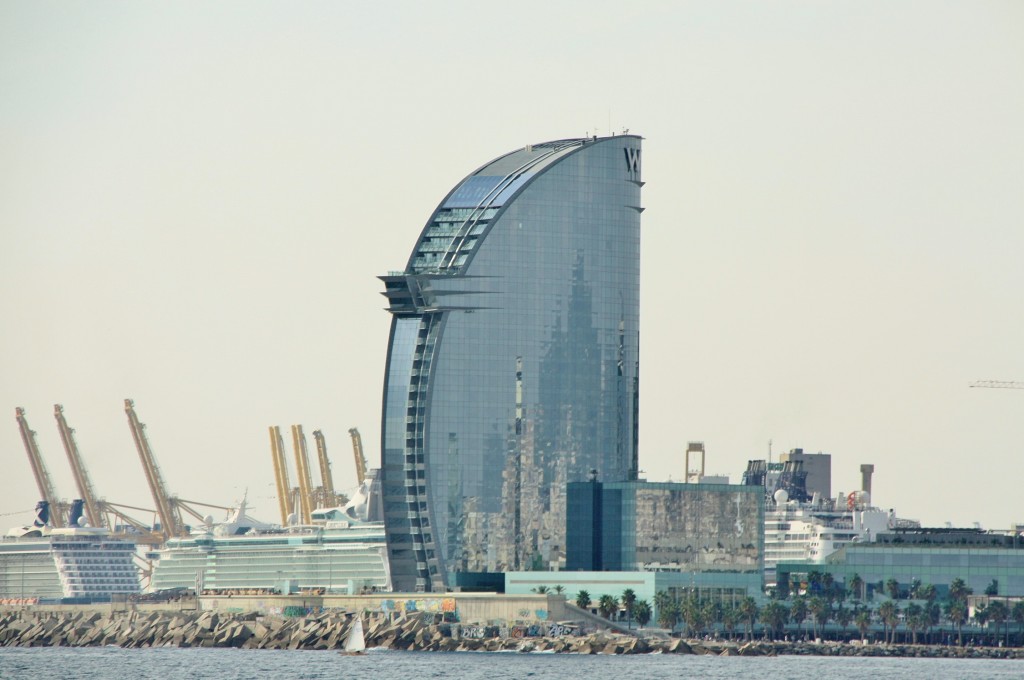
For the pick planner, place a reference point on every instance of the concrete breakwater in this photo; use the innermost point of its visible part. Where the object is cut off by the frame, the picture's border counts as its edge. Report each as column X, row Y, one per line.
column 329, row 630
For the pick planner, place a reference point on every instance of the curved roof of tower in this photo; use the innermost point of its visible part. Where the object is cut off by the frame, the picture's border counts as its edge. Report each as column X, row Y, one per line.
column 455, row 227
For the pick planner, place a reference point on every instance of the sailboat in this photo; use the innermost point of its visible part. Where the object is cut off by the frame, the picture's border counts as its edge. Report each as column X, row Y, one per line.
column 355, row 643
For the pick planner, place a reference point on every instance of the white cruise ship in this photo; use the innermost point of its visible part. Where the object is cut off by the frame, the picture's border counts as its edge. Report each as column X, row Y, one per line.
column 810, row 532
column 338, row 553
column 40, row 563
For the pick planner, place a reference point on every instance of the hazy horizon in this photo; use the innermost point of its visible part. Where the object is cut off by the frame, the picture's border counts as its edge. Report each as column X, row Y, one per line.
column 196, row 200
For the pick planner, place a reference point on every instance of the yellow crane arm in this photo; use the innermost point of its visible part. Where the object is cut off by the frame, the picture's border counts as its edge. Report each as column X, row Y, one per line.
column 357, row 450
column 302, row 469
column 284, row 497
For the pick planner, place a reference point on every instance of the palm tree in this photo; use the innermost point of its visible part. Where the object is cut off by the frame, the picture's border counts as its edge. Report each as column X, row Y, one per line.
column 668, row 614
column 813, row 582
column 628, row 601
column 540, row 590
column 693, row 615
column 607, row 606
column 915, row 619
column 642, row 610
column 992, row 589
column 828, row 589
column 892, row 586
column 958, row 590
column 748, row 610
column 915, row 589
column 956, row 612
column 559, row 589
column 730, row 617
column 843, row 617
column 888, row 612
column 856, row 586
column 981, row 615
column 798, row 612
column 863, row 621
column 998, row 613
column 774, row 616
column 1017, row 613
column 583, row 599
column 820, row 609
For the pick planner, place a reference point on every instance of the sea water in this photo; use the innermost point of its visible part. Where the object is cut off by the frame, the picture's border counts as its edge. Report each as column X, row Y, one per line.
column 42, row 663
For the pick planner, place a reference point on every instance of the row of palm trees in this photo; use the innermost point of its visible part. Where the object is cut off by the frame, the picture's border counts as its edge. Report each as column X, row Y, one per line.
column 811, row 614
column 607, row 605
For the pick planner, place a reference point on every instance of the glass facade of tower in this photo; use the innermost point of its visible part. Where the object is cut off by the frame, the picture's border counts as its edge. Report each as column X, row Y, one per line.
column 513, row 360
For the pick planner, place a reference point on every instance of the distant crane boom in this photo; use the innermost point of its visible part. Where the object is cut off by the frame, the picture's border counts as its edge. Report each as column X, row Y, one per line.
column 284, row 495
column 325, row 467
column 302, row 470
column 1003, row 384
column 28, row 437
column 170, row 518
column 357, row 451
column 93, row 510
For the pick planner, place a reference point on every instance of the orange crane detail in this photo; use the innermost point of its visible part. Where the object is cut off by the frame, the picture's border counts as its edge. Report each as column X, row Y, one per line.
column 28, row 437
column 93, row 508
column 357, row 450
column 171, row 524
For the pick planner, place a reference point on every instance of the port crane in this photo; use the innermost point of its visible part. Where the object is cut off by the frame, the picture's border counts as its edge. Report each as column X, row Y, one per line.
column 93, row 510
column 171, row 524
column 302, row 471
column 1002, row 384
column 329, row 496
column 46, row 490
column 357, row 451
column 284, row 491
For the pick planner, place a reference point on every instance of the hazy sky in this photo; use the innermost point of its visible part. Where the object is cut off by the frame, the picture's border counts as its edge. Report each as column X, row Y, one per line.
column 196, row 199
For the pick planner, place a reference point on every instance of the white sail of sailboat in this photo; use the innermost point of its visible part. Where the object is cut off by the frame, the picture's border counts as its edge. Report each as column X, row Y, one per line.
column 355, row 643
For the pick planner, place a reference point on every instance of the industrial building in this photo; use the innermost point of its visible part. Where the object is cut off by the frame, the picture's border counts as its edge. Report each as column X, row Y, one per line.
column 512, row 360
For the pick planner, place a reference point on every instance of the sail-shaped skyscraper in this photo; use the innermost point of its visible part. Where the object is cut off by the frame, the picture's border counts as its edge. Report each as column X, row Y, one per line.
column 512, row 363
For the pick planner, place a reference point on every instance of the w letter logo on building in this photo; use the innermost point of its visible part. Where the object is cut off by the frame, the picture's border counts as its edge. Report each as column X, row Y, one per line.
column 632, row 160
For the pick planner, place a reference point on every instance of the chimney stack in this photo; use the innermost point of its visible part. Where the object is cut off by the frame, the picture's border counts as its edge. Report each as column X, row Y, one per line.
column 865, row 478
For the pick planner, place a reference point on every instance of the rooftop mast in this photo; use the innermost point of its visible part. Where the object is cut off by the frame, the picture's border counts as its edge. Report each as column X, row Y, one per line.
column 39, row 470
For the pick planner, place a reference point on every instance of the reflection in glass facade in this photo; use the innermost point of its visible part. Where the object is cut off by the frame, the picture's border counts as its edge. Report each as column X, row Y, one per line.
column 665, row 527
column 513, row 360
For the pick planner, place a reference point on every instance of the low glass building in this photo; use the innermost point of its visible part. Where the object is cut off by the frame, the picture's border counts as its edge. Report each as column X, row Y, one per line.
column 931, row 557
column 665, row 527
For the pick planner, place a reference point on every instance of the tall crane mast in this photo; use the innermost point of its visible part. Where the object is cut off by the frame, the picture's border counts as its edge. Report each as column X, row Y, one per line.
column 302, row 470
column 170, row 518
column 325, row 469
column 357, row 450
column 1004, row 384
column 28, row 437
column 284, row 491
column 93, row 509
